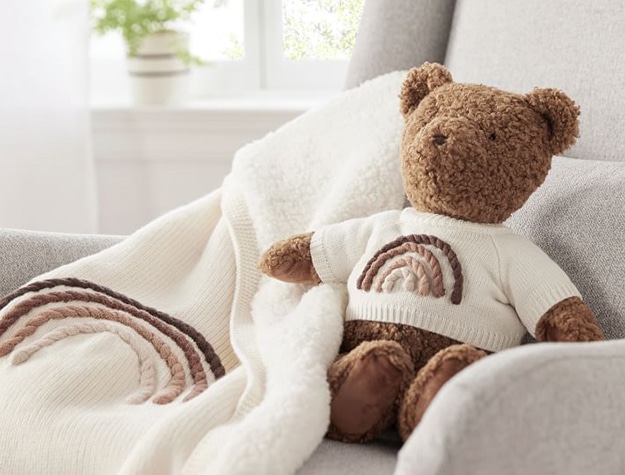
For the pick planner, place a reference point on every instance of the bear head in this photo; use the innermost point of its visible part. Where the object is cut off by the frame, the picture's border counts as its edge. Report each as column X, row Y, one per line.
column 474, row 152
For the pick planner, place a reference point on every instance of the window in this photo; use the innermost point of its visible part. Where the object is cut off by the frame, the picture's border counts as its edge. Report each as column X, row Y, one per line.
column 309, row 42
column 252, row 45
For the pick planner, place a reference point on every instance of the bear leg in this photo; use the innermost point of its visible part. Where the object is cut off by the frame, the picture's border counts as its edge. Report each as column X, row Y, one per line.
column 441, row 368
column 365, row 385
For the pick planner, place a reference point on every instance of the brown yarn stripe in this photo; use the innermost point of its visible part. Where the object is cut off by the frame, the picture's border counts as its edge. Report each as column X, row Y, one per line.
column 205, row 347
column 69, row 296
column 456, row 295
column 437, row 273
column 177, row 382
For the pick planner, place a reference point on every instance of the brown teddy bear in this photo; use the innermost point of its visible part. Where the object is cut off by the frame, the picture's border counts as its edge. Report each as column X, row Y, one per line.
column 441, row 284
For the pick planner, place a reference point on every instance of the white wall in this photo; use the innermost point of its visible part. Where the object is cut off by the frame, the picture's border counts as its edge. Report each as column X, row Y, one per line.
column 149, row 161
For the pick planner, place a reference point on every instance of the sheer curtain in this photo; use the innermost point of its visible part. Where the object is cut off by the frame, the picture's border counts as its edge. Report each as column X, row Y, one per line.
column 46, row 168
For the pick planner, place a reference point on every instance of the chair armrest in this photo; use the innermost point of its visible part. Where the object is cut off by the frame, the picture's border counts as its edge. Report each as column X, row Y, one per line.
column 544, row 408
column 27, row 254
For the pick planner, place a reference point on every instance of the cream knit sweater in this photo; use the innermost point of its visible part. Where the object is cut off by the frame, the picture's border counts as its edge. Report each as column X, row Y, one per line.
column 477, row 283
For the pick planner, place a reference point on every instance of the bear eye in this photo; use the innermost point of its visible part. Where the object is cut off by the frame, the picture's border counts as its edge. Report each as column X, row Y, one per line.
column 492, row 137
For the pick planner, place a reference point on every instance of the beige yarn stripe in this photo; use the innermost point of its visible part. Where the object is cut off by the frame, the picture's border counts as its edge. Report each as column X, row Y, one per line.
column 147, row 368
column 438, row 287
column 194, row 360
column 399, row 263
column 423, row 283
column 391, row 280
column 205, row 347
column 174, row 387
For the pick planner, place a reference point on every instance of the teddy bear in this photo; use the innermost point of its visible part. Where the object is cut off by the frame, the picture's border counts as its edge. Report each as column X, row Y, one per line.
column 442, row 283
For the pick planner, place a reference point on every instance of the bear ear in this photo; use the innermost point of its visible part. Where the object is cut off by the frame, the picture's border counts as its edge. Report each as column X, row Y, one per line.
column 419, row 83
column 561, row 115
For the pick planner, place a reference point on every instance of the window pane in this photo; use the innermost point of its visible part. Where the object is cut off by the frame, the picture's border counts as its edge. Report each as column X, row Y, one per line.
column 218, row 32
column 320, row 29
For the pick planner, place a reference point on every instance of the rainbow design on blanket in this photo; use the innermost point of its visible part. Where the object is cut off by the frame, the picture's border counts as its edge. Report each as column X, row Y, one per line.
column 409, row 264
column 89, row 308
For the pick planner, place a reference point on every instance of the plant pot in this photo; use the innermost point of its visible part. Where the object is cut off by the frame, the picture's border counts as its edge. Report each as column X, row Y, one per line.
column 157, row 74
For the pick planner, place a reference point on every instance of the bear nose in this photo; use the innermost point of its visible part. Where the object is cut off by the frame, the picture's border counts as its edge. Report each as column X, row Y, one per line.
column 439, row 139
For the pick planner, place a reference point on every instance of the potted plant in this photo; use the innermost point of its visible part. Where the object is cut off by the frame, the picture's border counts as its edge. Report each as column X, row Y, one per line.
column 158, row 53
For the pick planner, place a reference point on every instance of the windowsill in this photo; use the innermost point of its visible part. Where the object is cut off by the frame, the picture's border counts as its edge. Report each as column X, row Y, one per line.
column 263, row 101
column 193, row 131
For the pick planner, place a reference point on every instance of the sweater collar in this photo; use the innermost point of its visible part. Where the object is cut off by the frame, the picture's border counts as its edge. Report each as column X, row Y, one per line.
column 447, row 221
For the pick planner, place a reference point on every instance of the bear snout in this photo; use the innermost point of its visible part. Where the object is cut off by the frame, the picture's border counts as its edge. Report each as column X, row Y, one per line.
column 457, row 136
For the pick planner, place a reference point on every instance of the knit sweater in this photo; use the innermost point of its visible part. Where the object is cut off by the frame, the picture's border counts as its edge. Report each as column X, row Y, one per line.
column 476, row 283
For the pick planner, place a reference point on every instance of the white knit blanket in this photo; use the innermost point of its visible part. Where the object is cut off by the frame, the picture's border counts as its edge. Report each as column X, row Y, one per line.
column 169, row 353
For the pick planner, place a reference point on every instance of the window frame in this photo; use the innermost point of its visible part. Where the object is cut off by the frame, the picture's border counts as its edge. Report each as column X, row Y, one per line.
column 232, row 76
column 283, row 74
column 263, row 69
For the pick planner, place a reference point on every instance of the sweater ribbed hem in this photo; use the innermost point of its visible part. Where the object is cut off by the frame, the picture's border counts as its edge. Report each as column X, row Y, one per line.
column 443, row 221
column 479, row 337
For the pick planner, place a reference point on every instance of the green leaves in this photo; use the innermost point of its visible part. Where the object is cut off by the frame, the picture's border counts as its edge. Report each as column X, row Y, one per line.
column 321, row 30
column 137, row 19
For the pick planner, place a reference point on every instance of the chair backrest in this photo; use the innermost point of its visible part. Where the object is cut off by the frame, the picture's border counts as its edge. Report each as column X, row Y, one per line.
column 575, row 45
column 399, row 34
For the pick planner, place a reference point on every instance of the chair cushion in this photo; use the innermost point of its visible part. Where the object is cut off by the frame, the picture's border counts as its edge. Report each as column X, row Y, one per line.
column 578, row 218
column 338, row 458
column 574, row 45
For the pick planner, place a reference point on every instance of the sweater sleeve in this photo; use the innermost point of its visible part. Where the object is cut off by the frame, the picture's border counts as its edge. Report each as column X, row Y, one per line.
column 336, row 249
column 532, row 281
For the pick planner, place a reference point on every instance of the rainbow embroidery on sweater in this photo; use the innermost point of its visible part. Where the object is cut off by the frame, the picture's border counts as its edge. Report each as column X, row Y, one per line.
column 145, row 330
column 409, row 264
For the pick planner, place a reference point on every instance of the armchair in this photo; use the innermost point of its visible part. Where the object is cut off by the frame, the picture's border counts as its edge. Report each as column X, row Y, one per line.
column 549, row 408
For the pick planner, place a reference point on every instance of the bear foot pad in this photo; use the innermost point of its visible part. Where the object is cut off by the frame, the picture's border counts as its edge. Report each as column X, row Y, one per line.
column 366, row 395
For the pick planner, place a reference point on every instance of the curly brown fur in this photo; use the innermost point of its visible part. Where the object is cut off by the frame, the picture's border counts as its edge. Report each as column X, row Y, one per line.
column 420, row 344
column 366, row 384
column 561, row 115
column 440, row 369
column 569, row 320
column 477, row 153
column 290, row 261
column 419, row 83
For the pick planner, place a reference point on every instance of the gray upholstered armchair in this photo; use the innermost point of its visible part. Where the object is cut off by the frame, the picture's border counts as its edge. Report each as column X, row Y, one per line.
column 550, row 408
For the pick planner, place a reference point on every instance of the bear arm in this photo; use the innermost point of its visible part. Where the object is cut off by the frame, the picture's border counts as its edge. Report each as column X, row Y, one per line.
column 569, row 320
column 290, row 261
